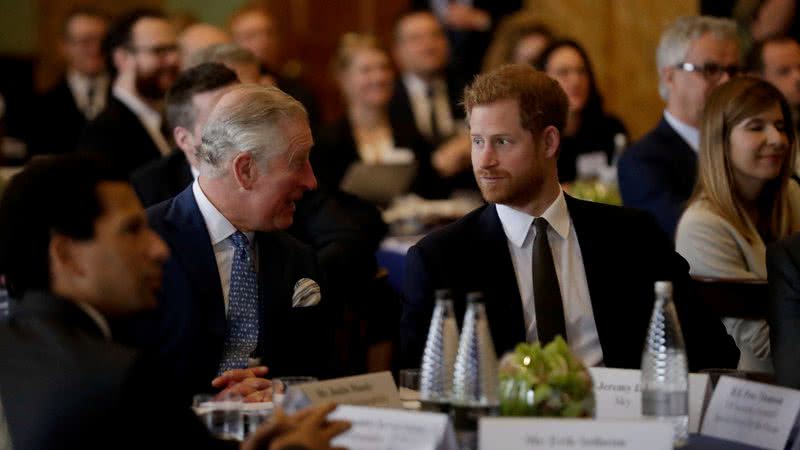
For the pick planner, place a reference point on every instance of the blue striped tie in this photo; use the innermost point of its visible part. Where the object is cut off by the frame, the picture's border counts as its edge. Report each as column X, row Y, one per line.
column 241, row 335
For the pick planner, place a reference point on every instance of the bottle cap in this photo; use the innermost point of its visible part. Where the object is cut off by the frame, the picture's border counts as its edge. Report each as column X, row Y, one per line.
column 474, row 297
column 664, row 288
column 443, row 294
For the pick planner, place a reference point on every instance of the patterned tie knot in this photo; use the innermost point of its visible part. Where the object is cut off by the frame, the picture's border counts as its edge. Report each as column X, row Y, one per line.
column 540, row 225
column 240, row 241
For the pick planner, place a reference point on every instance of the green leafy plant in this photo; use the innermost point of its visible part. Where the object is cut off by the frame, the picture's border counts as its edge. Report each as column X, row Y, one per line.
column 545, row 382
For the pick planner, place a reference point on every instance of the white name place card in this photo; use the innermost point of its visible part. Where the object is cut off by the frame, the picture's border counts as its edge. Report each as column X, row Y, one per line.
column 752, row 413
column 618, row 394
column 574, row 434
column 374, row 389
column 388, row 429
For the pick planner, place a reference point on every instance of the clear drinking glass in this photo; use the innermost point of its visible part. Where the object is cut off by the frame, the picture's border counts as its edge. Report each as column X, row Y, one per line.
column 408, row 387
column 282, row 384
column 221, row 416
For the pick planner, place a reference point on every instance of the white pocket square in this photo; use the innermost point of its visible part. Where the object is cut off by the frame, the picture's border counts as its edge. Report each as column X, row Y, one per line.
column 306, row 293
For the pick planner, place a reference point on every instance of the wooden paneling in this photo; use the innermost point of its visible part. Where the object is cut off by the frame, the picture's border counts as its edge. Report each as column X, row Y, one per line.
column 621, row 38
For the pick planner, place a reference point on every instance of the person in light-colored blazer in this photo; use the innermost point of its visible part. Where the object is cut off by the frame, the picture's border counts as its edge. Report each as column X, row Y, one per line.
column 744, row 198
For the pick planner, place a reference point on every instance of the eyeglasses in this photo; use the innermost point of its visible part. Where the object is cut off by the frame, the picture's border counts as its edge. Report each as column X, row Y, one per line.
column 710, row 71
column 159, row 50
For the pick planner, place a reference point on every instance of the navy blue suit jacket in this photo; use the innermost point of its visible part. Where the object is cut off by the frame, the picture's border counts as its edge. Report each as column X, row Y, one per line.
column 188, row 327
column 657, row 174
column 624, row 254
column 783, row 270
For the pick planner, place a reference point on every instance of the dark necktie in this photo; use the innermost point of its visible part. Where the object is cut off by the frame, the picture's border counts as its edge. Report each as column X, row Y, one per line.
column 435, row 137
column 91, row 92
column 241, row 337
column 546, row 292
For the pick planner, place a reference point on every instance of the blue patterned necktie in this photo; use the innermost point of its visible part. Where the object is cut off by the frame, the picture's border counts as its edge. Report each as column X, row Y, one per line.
column 241, row 336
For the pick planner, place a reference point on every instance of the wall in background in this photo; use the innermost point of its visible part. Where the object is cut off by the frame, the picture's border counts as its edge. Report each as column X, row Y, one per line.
column 18, row 25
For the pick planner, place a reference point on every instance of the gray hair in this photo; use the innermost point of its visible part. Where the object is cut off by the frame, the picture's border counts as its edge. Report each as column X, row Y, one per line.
column 228, row 53
column 251, row 124
column 676, row 40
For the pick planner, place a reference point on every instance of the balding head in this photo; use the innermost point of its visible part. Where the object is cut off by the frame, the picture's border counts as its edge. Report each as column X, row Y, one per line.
column 198, row 37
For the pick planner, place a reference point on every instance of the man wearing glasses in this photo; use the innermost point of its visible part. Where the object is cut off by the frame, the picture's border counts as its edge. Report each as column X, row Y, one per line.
column 141, row 48
column 657, row 174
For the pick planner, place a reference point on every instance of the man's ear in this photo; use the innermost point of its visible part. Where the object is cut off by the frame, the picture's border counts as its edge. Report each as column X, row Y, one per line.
column 244, row 170
column 184, row 139
column 552, row 139
column 667, row 77
column 120, row 57
column 64, row 257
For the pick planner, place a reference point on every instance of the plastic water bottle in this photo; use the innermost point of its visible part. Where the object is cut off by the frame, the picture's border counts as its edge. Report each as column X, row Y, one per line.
column 436, row 374
column 665, row 377
column 475, row 382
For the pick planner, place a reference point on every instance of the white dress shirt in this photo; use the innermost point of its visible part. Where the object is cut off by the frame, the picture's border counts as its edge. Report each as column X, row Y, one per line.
column 150, row 118
column 219, row 230
column 421, row 106
column 98, row 319
column 688, row 133
column 79, row 84
column 578, row 314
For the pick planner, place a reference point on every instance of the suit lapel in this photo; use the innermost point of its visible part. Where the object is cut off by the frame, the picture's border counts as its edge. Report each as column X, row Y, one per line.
column 271, row 285
column 681, row 152
column 194, row 253
column 503, row 302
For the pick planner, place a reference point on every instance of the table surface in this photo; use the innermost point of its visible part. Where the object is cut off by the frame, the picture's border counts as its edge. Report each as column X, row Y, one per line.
column 697, row 442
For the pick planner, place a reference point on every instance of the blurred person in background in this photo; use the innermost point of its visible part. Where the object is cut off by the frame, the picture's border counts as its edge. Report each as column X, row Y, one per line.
column 82, row 91
column 236, row 58
column 590, row 133
column 777, row 60
column 197, row 37
column 254, row 28
column 142, row 46
column 520, row 39
column 744, row 199
column 658, row 172
column 367, row 132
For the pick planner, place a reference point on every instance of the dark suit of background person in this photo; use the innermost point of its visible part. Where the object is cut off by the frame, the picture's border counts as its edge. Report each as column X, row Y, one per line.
column 188, row 328
column 657, row 174
column 623, row 252
column 65, row 386
column 783, row 272
column 162, row 179
column 117, row 133
column 65, row 121
column 337, row 149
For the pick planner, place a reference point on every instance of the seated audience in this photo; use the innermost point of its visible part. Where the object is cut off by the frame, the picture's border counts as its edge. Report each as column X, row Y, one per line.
column 777, row 60
column 143, row 48
column 783, row 271
column 744, row 198
column 548, row 264
column 77, row 250
column 520, row 39
column 590, row 132
column 197, row 37
column 238, row 290
column 427, row 94
column 81, row 93
column 657, row 173
column 236, row 58
column 368, row 133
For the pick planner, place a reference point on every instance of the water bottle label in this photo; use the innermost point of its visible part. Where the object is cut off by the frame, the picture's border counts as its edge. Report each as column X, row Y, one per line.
column 665, row 403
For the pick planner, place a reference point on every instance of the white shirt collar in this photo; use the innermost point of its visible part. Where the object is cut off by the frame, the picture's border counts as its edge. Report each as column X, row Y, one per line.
column 517, row 224
column 418, row 86
column 98, row 318
column 218, row 226
column 687, row 132
column 195, row 172
column 136, row 105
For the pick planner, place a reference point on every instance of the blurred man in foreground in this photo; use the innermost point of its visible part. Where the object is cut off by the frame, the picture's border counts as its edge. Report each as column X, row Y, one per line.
column 77, row 251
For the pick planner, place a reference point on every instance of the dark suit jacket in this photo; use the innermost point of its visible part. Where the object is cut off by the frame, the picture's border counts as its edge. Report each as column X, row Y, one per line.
column 119, row 134
column 64, row 386
column 65, row 122
column 623, row 252
column 783, row 271
column 657, row 174
column 400, row 105
column 162, row 178
column 188, row 327
column 337, row 149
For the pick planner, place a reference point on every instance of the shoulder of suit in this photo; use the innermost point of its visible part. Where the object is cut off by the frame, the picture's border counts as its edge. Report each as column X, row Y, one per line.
column 458, row 231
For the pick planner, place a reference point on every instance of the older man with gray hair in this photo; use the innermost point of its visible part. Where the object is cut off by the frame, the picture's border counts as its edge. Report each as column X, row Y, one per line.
column 238, row 292
column 657, row 174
